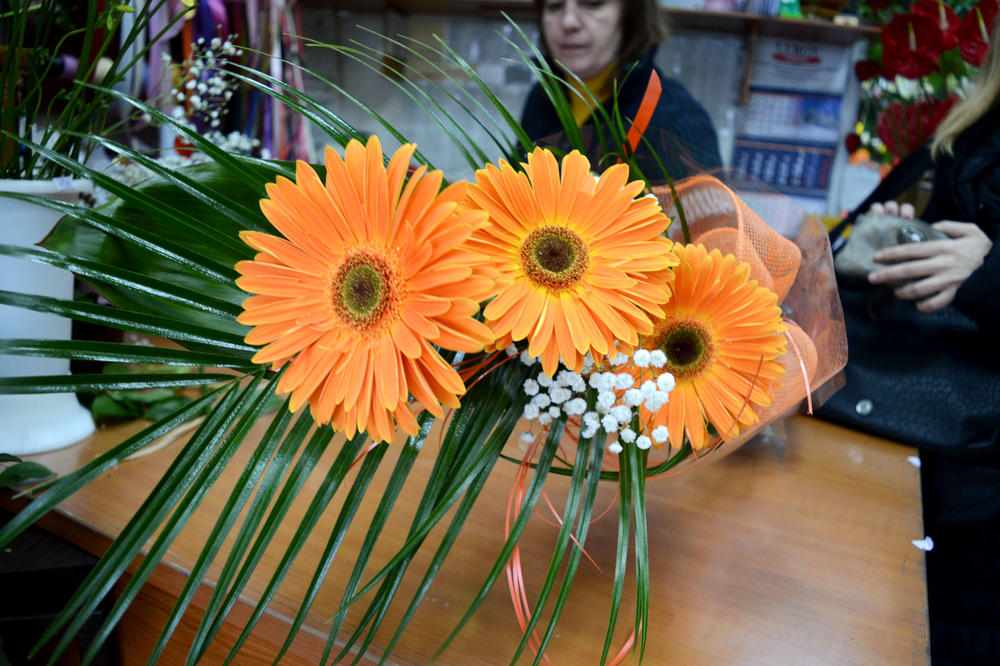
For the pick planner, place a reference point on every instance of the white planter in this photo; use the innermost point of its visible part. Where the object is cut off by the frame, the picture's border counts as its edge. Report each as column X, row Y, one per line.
column 36, row 423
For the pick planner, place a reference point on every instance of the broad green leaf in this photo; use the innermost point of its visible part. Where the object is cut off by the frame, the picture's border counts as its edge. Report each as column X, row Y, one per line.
column 23, row 472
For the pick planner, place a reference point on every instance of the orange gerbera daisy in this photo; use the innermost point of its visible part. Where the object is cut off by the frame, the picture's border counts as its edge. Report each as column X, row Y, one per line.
column 371, row 272
column 721, row 334
column 582, row 261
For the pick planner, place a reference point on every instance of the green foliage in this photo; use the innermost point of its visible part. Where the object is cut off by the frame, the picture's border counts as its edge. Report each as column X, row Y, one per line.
column 37, row 35
column 16, row 472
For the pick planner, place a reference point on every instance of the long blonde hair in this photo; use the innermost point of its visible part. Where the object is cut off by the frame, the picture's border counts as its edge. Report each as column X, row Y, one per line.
column 984, row 96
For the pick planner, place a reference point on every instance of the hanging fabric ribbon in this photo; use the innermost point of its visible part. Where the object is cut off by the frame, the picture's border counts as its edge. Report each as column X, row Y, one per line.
column 649, row 101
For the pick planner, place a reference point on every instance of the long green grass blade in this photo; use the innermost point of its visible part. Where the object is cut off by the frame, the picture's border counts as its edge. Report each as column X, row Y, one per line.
column 477, row 118
column 621, row 553
column 332, row 124
column 223, row 525
column 150, row 515
column 422, row 100
column 73, row 481
column 637, row 464
column 404, row 464
column 131, row 281
column 121, row 229
column 250, row 407
column 248, row 216
column 551, row 84
column 459, row 462
column 522, row 137
column 532, row 493
column 223, row 596
column 447, row 541
column 321, row 499
column 84, row 383
column 156, row 209
column 589, row 495
column 252, row 172
column 116, row 352
column 573, row 498
column 136, row 322
column 344, row 519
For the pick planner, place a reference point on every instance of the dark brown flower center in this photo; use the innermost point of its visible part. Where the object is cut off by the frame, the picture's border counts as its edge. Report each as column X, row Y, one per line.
column 554, row 257
column 363, row 289
column 688, row 347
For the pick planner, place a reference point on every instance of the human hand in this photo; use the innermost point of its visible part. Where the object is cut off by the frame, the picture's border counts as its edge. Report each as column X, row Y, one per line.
column 935, row 269
column 893, row 208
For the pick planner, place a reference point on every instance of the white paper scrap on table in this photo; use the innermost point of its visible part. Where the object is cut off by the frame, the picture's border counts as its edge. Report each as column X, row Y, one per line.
column 924, row 544
column 914, row 460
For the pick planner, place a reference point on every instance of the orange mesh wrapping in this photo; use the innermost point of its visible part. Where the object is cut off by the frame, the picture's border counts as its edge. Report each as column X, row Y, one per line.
column 796, row 264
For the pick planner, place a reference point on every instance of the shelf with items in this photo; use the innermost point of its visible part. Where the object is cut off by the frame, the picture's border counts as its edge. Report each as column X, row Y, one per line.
column 682, row 19
column 768, row 26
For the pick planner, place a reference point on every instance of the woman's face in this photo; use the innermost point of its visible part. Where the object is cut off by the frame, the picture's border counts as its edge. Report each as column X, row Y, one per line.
column 584, row 35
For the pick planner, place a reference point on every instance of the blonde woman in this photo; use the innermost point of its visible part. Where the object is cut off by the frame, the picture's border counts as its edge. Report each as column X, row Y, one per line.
column 924, row 363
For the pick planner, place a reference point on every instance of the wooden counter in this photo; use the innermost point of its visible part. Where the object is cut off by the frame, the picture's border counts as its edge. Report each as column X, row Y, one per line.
column 762, row 557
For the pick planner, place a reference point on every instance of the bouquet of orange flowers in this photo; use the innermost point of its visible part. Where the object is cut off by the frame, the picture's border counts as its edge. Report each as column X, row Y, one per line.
column 539, row 302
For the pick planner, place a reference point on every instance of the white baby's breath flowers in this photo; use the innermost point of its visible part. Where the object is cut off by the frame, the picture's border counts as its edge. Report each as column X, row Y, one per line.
column 560, row 394
column 511, row 350
column 605, row 401
column 542, row 400
column 621, row 412
column 602, row 399
column 609, row 423
column 665, row 382
column 633, row 397
column 616, row 359
column 660, row 434
column 624, row 381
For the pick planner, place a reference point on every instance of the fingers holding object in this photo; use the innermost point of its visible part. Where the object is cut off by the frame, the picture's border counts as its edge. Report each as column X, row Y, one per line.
column 907, row 270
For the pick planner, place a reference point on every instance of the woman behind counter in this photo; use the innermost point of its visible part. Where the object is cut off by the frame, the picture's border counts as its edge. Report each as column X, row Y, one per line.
column 601, row 41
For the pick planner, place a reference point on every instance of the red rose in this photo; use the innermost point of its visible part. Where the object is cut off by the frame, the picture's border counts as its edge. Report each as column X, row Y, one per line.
column 904, row 128
column 866, row 69
column 911, row 46
column 944, row 17
column 974, row 31
column 852, row 142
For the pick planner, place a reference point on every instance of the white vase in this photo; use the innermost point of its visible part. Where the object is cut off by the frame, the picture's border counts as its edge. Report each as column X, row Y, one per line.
column 36, row 423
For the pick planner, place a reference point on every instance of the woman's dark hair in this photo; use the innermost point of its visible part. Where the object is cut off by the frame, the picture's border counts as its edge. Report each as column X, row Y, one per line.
column 643, row 26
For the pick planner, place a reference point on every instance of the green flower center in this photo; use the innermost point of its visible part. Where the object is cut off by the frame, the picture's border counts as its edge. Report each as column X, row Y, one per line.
column 554, row 257
column 688, row 347
column 363, row 289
